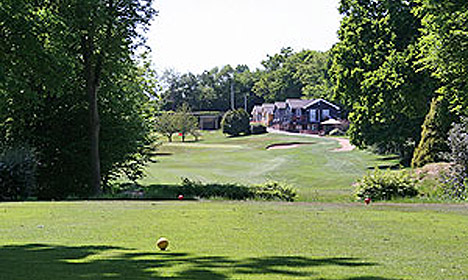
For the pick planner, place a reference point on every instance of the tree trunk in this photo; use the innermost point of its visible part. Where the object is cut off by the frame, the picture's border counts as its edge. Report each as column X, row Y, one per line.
column 92, row 80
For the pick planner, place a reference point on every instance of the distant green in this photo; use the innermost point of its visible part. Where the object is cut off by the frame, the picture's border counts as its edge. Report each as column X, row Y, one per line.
column 315, row 170
column 232, row 240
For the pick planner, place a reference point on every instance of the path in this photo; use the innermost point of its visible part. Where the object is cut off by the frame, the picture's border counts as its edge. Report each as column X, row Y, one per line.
column 345, row 146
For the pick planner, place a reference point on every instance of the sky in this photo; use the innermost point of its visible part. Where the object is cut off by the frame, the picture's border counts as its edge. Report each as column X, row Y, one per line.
column 197, row 35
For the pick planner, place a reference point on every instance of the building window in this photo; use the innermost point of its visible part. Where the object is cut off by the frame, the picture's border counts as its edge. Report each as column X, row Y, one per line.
column 298, row 112
column 313, row 115
column 325, row 114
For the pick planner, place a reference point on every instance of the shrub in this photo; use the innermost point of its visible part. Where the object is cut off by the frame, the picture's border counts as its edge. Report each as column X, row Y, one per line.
column 274, row 191
column 195, row 189
column 455, row 182
column 386, row 185
column 236, row 122
column 17, row 173
column 211, row 190
column 434, row 134
column 257, row 128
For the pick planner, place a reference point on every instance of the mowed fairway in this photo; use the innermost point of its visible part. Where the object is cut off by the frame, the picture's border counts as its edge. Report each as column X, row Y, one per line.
column 232, row 240
column 316, row 171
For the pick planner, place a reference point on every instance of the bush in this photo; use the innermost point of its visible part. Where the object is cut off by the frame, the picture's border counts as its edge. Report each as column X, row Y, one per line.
column 17, row 173
column 274, row 191
column 236, row 122
column 434, row 134
column 386, row 185
column 258, row 128
column 455, row 182
column 268, row 191
column 195, row 189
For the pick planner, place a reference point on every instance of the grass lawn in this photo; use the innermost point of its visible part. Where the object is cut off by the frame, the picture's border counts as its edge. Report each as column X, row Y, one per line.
column 318, row 173
column 232, row 240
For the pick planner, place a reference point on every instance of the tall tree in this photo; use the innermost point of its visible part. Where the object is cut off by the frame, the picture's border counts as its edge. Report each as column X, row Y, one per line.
column 292, row 74
column 276, row 82
column 55, row 57
column 444, row 47
column 374, row 74
column 108, row 32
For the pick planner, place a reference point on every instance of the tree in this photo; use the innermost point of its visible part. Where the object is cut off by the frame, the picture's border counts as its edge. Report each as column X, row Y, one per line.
column 185, row 123
column 434, row 134
column 165, row 124
column 55, row 57
column 375, row 76
column 236, row 122
column 106, row 31
column 277, row 81
column 292, row 74
column 444, row 47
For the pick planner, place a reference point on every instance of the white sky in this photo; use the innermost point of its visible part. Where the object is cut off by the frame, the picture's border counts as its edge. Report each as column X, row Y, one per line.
column 197, row 35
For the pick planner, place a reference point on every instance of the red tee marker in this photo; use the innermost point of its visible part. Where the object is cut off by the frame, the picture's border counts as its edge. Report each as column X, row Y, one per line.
column 180, row 197
column 180, row 134
column 367, row 200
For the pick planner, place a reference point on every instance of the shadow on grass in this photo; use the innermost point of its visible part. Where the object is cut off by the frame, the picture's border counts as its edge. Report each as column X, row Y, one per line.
column 388, row 158
column 385, row 167
column 42, row 261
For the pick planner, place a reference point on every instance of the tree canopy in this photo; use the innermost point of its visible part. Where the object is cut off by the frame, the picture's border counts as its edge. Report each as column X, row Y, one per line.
column 71, row 89
column 375, row 76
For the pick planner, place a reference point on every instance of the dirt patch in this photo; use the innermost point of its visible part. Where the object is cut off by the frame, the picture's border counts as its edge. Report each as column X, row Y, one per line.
column 433, row 170
column 289, row 145
column 345, row 145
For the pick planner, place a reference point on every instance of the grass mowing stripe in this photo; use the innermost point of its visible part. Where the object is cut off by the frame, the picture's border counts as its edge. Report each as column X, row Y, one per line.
column 315, row 170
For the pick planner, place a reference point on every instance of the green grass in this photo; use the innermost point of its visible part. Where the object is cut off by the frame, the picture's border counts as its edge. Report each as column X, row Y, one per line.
column 318, row 173
column 232, row 240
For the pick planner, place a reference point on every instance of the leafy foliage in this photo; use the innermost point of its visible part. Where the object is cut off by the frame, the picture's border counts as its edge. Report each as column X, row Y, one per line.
column 17, row 173
column 455, row 182
column 434, row 134
column 274, row 191
column 257, row 128
column 236, row 122
column 209, row 90
column 191, row 189
column 293, row 75
column 46, row 52
column 267, row 191
column 185, row 122
column 165, row 124
column 287, row 74
column 182, row 121
column 444, row 47
column 386, row 185
column 374, row 74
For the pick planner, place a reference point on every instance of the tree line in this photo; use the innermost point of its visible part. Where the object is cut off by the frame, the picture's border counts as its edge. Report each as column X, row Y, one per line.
column 287, row 74
column 394, row 58
column 74, row 86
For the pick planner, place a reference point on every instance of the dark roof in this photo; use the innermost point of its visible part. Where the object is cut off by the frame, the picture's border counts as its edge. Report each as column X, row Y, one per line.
column 321, row 100
column 298, row 103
